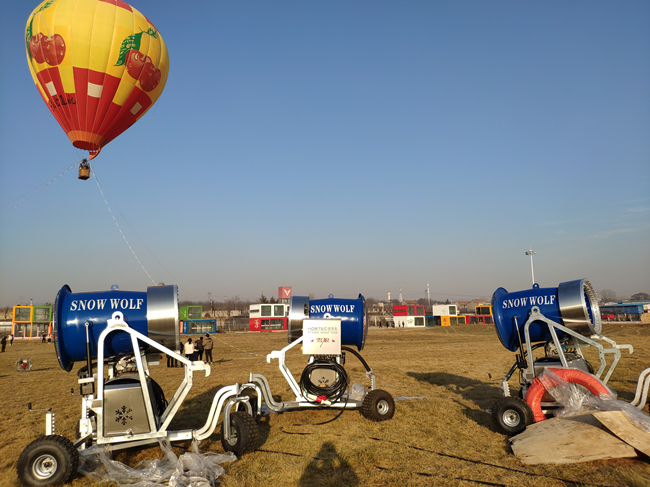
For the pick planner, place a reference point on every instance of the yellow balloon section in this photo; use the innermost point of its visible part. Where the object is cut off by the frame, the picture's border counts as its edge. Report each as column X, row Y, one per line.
column 98, row 64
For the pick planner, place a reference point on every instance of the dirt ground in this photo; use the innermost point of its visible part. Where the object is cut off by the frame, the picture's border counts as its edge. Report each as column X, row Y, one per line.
column 445, row 379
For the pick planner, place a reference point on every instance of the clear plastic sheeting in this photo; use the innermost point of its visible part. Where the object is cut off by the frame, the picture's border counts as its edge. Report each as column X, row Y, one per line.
column 356, row 393
column 575, row 400
column 191, row 469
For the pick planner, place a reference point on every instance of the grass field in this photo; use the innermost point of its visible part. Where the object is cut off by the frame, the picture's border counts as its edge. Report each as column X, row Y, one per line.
column 445, row 438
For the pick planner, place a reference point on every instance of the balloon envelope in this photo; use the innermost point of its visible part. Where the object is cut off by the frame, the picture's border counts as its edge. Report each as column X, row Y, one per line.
column 98, row 64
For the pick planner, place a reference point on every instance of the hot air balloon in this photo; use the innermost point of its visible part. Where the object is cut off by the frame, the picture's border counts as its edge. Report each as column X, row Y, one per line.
column 98, row 64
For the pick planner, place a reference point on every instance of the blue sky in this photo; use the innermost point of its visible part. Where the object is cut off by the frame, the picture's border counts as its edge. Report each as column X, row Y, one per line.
column 344, row 148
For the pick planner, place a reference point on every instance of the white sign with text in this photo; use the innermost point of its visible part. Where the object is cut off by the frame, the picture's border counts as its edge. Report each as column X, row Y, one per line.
column 321, row 336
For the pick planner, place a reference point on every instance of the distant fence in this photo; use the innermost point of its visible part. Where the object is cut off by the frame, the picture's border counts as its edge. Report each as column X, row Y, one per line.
column 201, row 327
column 5, row 327
column 233, row 327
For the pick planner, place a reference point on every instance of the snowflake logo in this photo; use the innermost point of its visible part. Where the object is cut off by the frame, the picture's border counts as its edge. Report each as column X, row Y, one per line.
column 123, row 415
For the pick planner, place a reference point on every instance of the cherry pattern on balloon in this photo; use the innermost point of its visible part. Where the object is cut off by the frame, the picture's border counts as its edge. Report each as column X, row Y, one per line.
column 139, row 65
column 41, row 47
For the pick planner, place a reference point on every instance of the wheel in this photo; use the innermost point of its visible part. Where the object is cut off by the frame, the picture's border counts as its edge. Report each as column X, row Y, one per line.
column 49, row 460
column 511, row 415
column 243, row 434
column 378, row 405
column 253, row 402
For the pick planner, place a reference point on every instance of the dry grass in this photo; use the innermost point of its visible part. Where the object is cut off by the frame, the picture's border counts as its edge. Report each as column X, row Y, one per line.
column 446, row 439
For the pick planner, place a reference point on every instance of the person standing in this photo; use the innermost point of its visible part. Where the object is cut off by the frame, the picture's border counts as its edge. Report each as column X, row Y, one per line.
column 4, row 343
column 198, row 345
column 171, row 362
column 188, row 349
column 207, row 346
column 11, row 339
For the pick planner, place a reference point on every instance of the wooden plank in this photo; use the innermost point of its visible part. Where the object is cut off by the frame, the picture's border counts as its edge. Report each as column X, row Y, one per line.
column 568, row 440
column 618, row 423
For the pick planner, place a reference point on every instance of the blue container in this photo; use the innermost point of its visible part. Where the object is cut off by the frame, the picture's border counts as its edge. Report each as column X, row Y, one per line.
column 153, row 313
column 572, row 304
column 351, row 312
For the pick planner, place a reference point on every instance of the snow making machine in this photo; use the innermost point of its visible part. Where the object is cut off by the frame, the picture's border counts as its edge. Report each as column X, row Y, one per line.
column 560, row 322
column 327, row 329
column 119, row 335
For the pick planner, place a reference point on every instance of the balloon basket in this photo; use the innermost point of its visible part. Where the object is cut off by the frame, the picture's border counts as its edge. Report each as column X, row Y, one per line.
column 84, row 170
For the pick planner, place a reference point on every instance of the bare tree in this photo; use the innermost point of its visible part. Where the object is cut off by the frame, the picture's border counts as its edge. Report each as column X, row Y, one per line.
column 640, row 297
column 370, row 303
column 7, row 312
column 607, row 295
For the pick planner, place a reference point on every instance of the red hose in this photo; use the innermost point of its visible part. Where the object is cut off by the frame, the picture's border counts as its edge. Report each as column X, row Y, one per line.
column 575, row 376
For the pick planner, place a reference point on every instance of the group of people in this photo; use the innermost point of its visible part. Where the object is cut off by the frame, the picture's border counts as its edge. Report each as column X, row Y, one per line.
column 194, row 350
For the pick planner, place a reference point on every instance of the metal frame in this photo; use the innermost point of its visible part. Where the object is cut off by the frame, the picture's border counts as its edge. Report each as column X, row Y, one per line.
column 579, row 342
column 224, row 400
column 642, row 386
column 302, row 400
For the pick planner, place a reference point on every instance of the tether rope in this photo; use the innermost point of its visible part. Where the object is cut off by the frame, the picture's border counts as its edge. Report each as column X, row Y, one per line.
column 444, row 455
column 243, row 351
column 136, row 234
column 38, row 188
column 455, row 457
column 118, row 226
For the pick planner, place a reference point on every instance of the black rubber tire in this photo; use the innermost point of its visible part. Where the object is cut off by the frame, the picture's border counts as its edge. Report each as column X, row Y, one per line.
column 511, row 415
column 244, row 434
column 253, row 402
column 48, row 460
column 378, row 405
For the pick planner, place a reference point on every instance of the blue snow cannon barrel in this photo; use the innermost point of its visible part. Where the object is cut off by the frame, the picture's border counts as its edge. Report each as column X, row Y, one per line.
column 351, row 312
column 153, row 313
column 572, row 304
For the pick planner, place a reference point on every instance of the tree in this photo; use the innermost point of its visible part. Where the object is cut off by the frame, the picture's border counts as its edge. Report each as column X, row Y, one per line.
column 607, row 295
column 7, row 312
column 640, row 297
column 263, row 299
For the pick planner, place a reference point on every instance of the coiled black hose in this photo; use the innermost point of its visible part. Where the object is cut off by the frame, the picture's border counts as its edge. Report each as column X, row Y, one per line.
column 332, row 392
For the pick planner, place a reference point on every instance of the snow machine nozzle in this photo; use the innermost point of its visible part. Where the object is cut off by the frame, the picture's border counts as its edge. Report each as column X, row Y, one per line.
column 153, row 313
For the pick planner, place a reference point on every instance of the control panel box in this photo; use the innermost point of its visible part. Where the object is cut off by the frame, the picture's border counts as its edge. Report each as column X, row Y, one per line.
column 321, row 336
